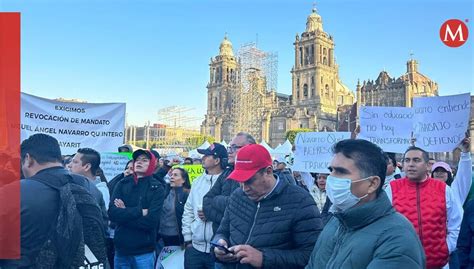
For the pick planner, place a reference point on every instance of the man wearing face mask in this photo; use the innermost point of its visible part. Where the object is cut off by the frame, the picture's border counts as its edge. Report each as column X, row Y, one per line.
column 366, row 231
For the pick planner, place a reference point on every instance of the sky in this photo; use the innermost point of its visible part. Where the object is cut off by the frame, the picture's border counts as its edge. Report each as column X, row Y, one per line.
column 156, row 54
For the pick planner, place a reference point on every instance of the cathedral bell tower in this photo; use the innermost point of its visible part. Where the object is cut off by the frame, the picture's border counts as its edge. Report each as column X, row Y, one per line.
column 315, row 73
column 223, row 79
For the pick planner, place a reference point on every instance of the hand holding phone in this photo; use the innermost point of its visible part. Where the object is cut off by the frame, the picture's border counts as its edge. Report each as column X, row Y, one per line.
column 222, row 248
column 223, row 253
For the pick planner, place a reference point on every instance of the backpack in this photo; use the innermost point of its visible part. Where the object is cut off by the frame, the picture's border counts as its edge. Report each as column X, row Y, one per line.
column 79, row 223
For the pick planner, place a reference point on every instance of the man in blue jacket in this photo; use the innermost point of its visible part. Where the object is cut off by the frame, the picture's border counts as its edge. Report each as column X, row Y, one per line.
column 268, row 223
column 365, row 231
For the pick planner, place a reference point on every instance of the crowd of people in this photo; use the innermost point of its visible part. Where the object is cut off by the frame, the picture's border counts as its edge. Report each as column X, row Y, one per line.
column 247, row 210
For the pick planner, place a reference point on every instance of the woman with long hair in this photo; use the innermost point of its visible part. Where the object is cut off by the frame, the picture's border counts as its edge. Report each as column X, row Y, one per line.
column 173, row 208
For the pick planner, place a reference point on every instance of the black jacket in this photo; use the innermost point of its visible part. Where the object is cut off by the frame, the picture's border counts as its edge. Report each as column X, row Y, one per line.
column 40, row 205
column 284, row 226
column 217, row 199
column 325, row 214
column 161, row 174
column 113, row 182
column 135, row 234
column 466, row 238
column 287, row 175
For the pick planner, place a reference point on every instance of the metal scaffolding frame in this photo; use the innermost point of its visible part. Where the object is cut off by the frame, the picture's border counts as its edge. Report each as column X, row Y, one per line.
column 178, row 117
column 258, row 76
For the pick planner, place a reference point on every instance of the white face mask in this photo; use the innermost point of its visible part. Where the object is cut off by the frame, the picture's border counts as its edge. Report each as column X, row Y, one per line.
column 339, row 192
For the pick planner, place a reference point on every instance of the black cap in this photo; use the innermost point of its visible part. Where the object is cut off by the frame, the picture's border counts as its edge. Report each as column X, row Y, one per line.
column 157, row 155
column 215, row 149
column 139, row 152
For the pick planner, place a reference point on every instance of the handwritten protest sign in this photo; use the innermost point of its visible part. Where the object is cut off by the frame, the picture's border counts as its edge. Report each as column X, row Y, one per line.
column 167, row 252
column 173, row 260
column 194, row 170
column 440, row 123
column 74, row 125
column 113, row 163
column 313, row 150
column 388, row 127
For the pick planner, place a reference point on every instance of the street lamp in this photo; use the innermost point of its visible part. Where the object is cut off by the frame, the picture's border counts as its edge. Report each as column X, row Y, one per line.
column 337, row 118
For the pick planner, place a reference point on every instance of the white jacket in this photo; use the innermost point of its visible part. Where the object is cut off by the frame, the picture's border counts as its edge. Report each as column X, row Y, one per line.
column 463, row 179
column 194, row 229
column 102, row 186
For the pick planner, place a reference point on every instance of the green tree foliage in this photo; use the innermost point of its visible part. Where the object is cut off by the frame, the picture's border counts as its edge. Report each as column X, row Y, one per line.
column 291, row 134
column 196, row 141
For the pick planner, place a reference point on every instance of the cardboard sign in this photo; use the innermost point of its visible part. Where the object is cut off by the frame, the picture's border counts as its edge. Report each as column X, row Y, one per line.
column 388, row 127
column 194, row 170
column 313, row 150
column 440, row 123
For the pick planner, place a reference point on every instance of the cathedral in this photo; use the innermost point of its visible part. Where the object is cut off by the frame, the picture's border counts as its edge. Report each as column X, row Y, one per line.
column 316, row 95
column 387, row 91
column 240, row 100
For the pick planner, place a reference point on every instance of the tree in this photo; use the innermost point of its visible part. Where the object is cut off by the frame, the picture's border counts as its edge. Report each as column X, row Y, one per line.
column 196, row 141
column 291, row 134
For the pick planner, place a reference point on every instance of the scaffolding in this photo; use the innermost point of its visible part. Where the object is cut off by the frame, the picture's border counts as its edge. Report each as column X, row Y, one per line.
column 253, row 58
column 258, row 76
column 178, row 117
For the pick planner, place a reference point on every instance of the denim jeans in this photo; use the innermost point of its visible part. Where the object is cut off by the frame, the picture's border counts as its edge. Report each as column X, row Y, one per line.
column 195, row 259
column 143, row 261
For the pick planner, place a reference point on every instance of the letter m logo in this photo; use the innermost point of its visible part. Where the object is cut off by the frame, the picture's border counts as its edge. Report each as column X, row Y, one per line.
column 453, row 33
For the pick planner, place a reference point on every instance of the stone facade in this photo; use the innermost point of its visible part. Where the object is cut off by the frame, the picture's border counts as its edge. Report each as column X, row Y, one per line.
column 317, row 91
column 387, row 91
column 224, row 78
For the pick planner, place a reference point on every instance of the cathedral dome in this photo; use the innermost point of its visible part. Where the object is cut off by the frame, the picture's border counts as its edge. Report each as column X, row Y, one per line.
column 225, row 49
column 314, row 22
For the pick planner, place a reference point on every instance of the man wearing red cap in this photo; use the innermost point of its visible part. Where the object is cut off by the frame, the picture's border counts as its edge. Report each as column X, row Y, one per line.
column 215, row 201
column 268, row 222
column 136, row 208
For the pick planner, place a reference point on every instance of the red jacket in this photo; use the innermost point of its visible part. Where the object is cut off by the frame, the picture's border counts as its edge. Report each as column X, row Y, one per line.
column 424, row 204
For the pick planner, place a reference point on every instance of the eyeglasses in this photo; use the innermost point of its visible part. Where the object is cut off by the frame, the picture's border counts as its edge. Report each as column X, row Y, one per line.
column 440, row 172
column 233, row 148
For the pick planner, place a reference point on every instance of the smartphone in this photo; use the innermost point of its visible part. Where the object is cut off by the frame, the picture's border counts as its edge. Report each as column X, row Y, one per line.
column 226, row 250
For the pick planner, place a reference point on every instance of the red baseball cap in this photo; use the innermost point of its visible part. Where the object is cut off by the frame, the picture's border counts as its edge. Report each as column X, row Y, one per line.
column 249, row 160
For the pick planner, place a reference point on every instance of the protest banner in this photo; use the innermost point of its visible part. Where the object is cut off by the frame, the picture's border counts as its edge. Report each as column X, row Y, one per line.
column 74, row 125
column 313, row 150
column 440, row 123
column 388, row 127
column 113, row 163
column 194, row 170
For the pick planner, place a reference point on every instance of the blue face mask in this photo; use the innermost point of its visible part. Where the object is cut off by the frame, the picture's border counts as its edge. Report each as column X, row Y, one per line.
column 339, row 192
